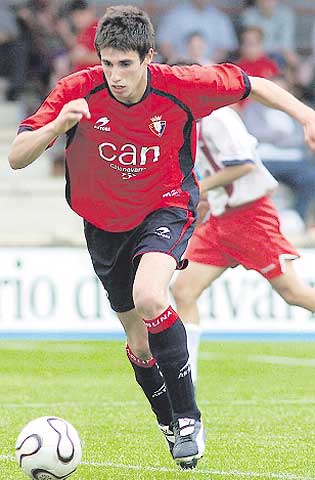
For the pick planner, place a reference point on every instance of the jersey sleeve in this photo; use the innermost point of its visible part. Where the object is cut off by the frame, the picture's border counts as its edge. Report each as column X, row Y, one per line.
column 67, row 89
column 206, row 88
column 226, row 134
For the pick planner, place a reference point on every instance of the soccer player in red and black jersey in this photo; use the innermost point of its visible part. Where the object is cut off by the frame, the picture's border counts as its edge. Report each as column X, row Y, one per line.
column 130, row 155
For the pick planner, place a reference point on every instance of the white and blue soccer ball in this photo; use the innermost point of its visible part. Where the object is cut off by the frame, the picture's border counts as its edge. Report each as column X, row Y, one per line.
column 48, row 448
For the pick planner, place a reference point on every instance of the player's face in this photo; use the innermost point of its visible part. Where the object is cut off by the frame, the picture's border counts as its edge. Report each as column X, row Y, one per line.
column 125, row 74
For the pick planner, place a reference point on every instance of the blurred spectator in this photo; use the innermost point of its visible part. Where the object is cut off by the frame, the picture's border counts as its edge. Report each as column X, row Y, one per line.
column 77, row 27
column 41, row 46
column 155, row 8
column 254, row 60
column 81, row 45
column 196, row 49
column 283, row 151
column 201, row 16
column 306, row 72
column 277, row 21
column 11, row 57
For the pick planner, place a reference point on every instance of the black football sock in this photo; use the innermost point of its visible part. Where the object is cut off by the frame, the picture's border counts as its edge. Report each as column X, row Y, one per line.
column 168, row 344
column 150, row 379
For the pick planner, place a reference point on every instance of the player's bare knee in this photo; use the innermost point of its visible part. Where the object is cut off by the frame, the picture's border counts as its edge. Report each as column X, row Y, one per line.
column 183, row 295
column 149, row 305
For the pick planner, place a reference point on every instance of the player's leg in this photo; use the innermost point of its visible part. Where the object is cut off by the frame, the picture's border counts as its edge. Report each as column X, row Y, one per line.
column 147, row 372
column 168, row 344
column 264, row 248
column 261, row 223
column 292, row 289
column 186, row 289
column 258, row 244
column 111, row 256
column 207, row 261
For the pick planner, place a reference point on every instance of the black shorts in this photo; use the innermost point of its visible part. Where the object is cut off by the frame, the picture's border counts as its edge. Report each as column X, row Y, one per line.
column 115, row 256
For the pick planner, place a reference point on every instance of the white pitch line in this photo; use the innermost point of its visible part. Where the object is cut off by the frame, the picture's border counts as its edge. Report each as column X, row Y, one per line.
column 288, row 361
column 266, row 401
column 214, row 356
column 130, row 403
column 38, row 405
column 7, row 457
column 232, row 473
column 271, row 359
column 133, row 403
column 49, row 347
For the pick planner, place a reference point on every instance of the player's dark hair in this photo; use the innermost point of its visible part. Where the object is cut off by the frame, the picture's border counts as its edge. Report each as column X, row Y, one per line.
column 253, row 29
column 125, row 28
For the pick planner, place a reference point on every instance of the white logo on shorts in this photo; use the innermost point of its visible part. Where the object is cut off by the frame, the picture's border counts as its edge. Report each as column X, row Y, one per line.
column 268, row 268
column 163, row 232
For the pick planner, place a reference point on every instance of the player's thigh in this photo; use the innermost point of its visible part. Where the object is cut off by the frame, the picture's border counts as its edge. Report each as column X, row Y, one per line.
column 111, row 255
column 153, row 276
column 192, row 281
column 288, row 283
column 162, row 240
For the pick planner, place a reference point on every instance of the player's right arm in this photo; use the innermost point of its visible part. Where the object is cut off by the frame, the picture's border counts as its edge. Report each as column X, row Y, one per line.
column 226, row 176
column 272, row 95
column 29, row 145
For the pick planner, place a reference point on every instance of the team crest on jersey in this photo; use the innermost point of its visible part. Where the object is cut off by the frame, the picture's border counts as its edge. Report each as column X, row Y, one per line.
column 158, row 125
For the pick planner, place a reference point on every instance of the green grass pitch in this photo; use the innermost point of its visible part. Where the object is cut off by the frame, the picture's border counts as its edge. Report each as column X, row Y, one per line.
column 257, row 400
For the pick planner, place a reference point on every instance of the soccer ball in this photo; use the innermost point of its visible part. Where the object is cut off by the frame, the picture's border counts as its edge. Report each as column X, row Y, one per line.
column 48, row 448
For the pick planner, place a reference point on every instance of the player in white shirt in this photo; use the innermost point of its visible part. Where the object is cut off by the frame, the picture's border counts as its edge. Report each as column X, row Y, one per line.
column 243, row 227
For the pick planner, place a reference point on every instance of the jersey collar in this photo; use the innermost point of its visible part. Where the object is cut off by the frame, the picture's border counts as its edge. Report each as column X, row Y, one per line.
column 144, row 96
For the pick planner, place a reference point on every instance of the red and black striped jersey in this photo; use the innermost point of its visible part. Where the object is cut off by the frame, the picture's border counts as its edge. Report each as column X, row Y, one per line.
column 129, row 160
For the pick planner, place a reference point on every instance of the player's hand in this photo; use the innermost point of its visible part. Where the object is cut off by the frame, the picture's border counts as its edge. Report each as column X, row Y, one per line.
column 70, row 114
column 202, row 209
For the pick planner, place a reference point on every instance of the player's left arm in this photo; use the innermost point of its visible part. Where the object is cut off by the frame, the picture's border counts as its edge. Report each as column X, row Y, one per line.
column 225, row 176
column 272, row 95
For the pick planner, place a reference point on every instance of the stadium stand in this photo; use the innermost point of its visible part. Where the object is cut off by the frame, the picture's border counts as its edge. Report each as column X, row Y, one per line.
column 32, row 196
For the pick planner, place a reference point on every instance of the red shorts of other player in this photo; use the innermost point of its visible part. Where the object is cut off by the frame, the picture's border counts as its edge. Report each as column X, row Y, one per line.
column 248, row 235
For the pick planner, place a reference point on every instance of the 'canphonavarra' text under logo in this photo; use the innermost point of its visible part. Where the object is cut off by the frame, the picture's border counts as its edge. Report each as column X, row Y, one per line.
column 129, row 158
